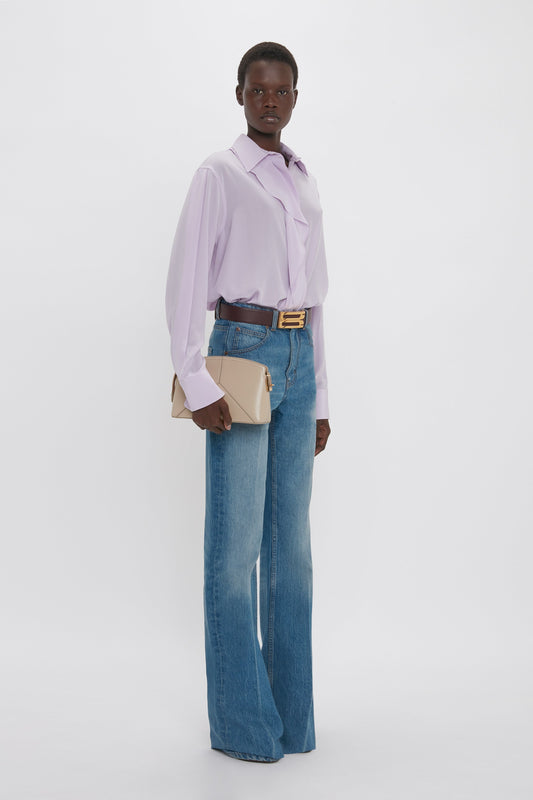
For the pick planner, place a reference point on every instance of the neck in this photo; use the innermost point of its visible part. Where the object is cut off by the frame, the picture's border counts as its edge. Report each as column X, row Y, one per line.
column 268, row 141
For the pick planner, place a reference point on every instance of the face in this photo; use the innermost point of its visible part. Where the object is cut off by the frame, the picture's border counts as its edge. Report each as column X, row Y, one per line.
column 268, row 96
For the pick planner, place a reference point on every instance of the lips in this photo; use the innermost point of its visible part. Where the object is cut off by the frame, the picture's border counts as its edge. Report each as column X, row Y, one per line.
column 269, row 116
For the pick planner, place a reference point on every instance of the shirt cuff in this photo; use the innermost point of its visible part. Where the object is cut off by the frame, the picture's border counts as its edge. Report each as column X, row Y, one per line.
column 200, row 390
column 322, row 407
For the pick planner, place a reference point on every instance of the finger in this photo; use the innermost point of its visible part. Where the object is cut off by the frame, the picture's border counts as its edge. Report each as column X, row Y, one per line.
column 218, row 426
column 226, row 417
column 320, row 444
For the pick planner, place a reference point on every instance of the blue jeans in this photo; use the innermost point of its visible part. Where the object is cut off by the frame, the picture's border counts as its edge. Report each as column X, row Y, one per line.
column 258, row 490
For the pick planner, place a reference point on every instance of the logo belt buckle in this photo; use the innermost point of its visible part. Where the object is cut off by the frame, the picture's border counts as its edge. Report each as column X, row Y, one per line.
column 291, row 319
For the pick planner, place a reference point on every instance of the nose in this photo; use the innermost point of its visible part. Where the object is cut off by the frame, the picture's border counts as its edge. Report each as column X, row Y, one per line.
column 270, row 99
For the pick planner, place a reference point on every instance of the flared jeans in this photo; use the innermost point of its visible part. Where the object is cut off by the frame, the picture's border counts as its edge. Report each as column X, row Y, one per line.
column 258, row 491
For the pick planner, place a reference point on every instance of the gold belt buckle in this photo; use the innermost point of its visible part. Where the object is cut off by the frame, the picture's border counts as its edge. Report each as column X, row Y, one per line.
column 291, row 319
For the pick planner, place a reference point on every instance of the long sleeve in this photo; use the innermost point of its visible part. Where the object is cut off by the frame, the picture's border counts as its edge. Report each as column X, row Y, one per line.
column 317, row 328
column 187, row 286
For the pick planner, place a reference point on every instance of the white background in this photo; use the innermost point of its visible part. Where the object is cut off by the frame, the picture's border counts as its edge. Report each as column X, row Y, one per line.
column 416, row 119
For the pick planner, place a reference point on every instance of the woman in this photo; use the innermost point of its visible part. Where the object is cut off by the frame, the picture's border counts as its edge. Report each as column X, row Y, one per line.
column 249, row 245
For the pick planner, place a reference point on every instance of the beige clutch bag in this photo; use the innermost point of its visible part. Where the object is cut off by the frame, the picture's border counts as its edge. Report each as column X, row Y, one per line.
column 246, row 386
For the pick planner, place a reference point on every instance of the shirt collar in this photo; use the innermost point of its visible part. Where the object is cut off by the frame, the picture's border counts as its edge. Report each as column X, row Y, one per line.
column 250, row 154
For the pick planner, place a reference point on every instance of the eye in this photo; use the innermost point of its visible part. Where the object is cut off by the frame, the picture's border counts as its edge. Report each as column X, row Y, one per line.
column 284, row 91
column 257, row 90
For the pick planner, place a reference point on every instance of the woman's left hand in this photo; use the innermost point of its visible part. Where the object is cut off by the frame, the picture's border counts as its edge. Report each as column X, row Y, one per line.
column 322, row 435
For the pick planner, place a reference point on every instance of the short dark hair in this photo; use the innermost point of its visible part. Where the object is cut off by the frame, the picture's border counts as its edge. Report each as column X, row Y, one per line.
column 266, row 51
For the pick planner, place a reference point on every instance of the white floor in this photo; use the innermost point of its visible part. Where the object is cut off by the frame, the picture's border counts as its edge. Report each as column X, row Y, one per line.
column 130, row 723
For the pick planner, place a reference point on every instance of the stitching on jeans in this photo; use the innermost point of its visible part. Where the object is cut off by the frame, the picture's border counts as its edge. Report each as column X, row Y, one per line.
column 219, row 661
column 234, row 349
column 220, row 329
column 293, row 362
column 273, row 553
column 245, row 756
column 297, row 362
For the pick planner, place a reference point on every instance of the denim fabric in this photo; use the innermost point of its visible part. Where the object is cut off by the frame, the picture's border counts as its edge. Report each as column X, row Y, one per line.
column 258, row 490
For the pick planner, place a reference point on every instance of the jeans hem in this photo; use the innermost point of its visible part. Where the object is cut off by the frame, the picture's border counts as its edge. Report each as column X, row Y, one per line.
column 248, row 756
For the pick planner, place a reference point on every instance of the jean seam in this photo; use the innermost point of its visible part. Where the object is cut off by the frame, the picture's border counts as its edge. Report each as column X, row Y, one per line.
column 216, row 619
column 225, row 340
column 297, row 362
column 293, row 361
column 273, row 554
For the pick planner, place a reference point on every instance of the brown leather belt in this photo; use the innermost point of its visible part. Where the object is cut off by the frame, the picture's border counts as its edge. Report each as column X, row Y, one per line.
column 287, row 320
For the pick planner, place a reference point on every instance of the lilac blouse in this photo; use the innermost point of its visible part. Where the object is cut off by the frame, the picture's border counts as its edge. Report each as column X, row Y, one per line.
column 250, row 231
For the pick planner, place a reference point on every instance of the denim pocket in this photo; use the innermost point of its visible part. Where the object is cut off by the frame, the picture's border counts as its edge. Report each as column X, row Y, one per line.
column 245, row 338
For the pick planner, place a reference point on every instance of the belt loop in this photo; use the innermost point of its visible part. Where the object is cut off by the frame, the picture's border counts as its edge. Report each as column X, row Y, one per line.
column 275, row 315
column 217, row 308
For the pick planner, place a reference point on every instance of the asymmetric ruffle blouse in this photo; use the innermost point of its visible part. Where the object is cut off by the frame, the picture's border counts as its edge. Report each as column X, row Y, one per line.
column 250, row 231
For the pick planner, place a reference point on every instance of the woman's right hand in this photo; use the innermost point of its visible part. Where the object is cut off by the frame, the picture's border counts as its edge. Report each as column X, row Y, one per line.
column 214, row 417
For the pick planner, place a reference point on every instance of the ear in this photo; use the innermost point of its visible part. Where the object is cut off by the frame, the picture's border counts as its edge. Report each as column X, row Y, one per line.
column 295, row 97
column 238, row 94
